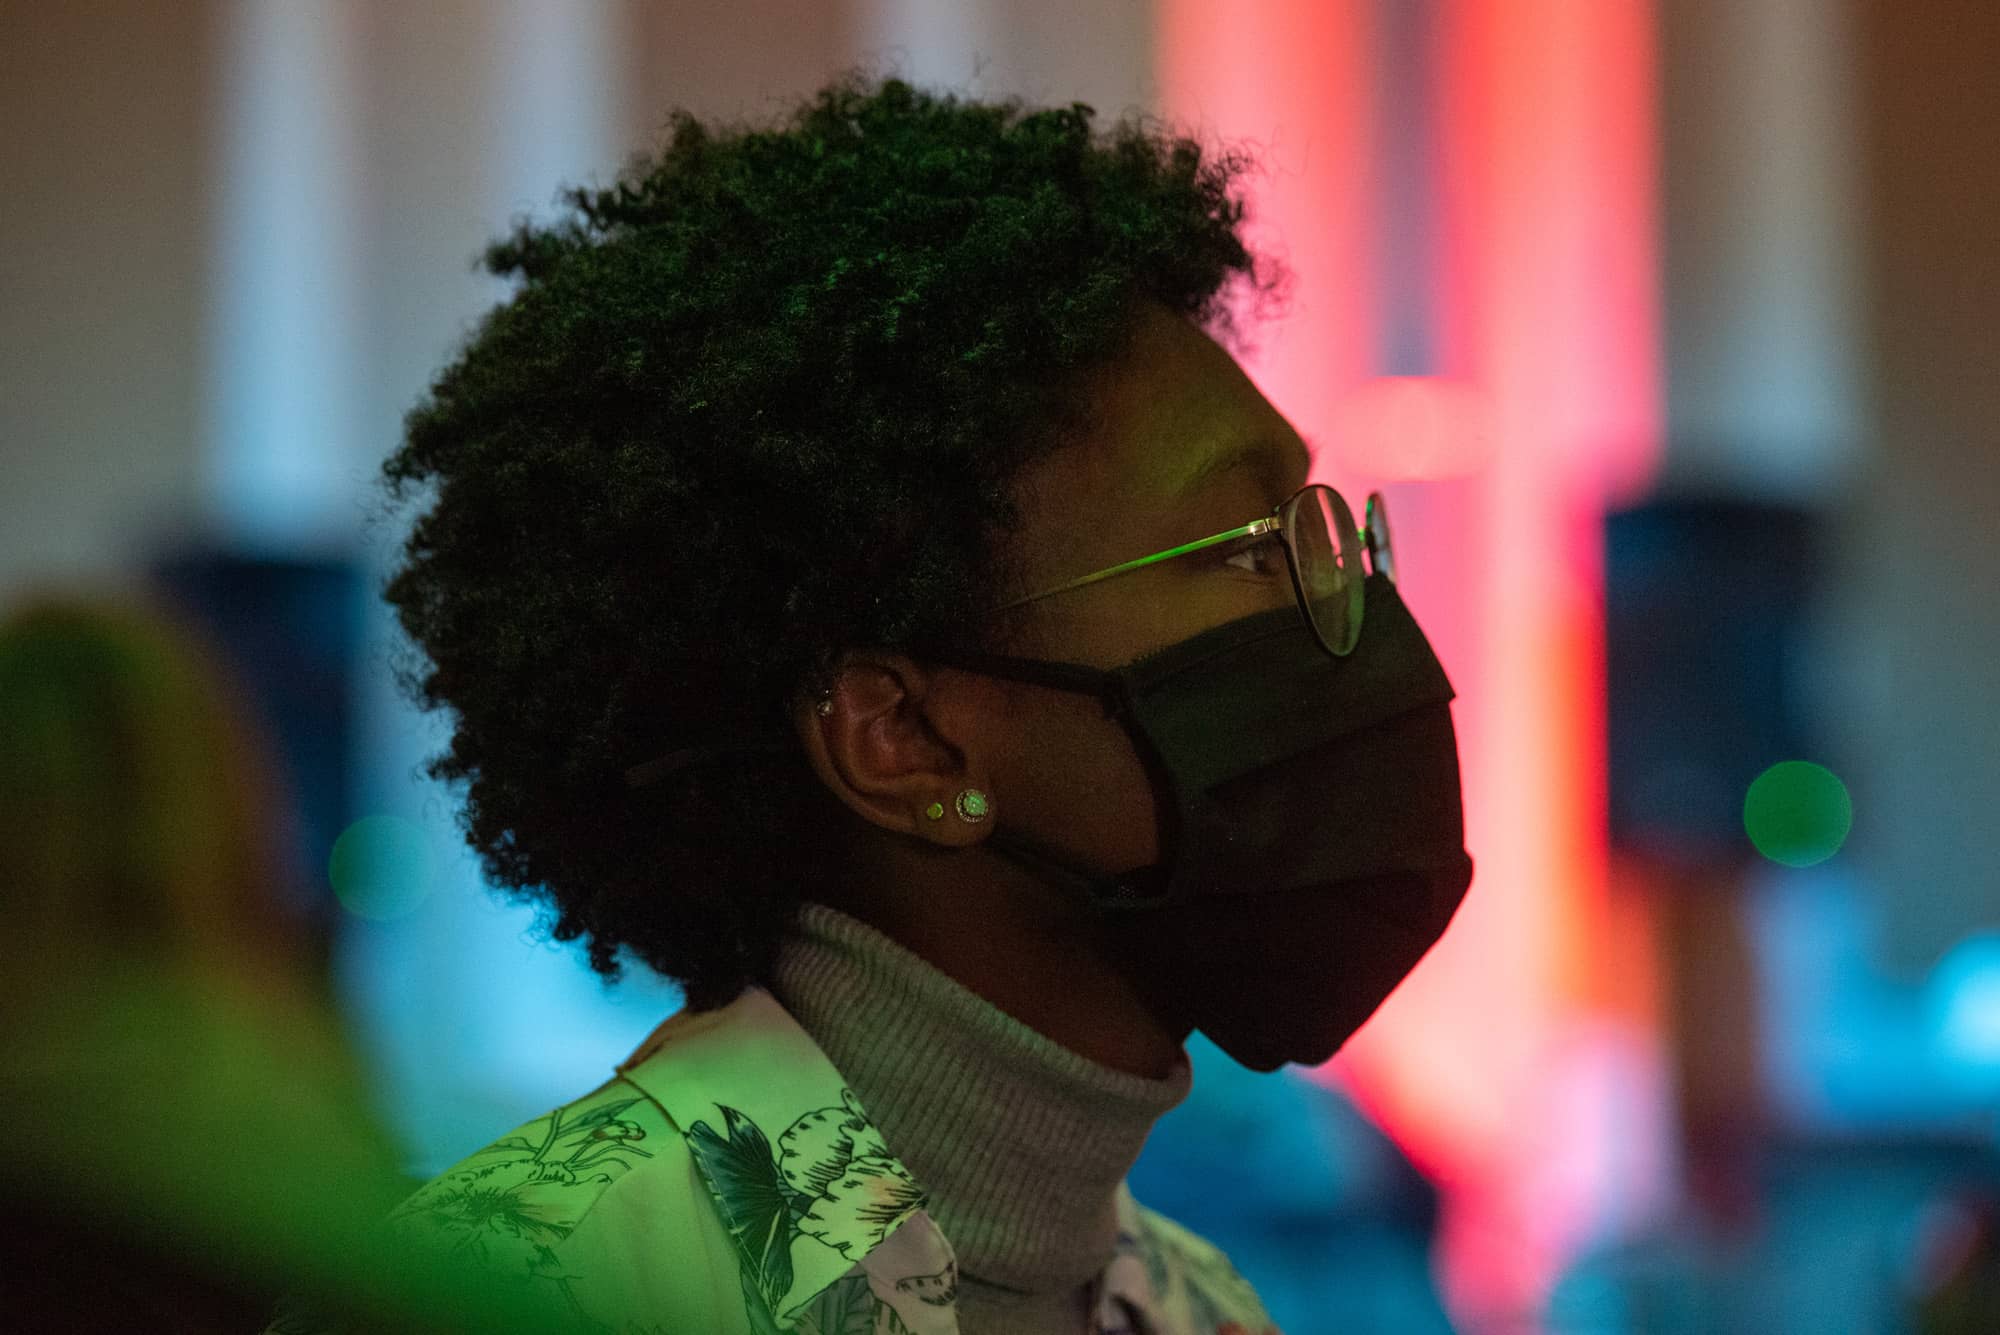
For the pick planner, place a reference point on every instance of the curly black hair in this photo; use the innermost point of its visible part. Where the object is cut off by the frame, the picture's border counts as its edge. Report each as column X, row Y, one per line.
column 761, row 400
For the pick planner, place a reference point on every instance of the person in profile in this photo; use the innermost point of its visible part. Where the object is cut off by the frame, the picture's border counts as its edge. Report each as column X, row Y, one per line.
column 868, row 591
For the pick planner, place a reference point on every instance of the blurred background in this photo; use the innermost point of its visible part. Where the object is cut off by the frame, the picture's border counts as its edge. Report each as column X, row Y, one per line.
column 1671, row 329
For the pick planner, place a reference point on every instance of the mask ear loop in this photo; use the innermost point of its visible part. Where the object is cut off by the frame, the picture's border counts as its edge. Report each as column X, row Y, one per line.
column 1105, row 686
column 1140, row 888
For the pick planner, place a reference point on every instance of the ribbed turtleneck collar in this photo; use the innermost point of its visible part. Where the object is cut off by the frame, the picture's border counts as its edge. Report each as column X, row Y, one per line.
column 1020, row 1142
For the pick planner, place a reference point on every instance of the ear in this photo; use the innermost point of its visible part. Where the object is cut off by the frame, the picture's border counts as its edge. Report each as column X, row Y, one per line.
column 903, row 740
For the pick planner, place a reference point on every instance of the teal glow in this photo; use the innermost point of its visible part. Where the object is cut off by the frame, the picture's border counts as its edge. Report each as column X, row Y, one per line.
column 1965, row 986
column 381, row 867
column 1798, row 813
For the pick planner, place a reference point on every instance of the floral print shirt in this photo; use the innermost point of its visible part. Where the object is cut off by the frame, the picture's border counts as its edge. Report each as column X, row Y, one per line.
column 727, row 1181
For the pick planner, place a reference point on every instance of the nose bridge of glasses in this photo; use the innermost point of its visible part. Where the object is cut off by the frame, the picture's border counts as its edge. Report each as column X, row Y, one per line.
column 1375, row 536
column 1371, row 530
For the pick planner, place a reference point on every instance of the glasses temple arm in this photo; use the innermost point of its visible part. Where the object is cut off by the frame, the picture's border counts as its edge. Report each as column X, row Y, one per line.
column 1259, row 526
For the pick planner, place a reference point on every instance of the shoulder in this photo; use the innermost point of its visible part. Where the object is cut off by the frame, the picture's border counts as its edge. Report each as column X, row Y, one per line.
column 532, row 1187
column 1190, row 1284
column 593, row 1207
column 725, row 1179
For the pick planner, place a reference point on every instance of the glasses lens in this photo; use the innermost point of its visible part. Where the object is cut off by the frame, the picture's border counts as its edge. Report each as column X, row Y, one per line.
column 1381, row 555
column 1321, row 530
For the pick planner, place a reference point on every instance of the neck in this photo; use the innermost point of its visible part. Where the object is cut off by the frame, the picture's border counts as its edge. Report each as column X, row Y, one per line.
column 1021, row 1142
column 1036, row 953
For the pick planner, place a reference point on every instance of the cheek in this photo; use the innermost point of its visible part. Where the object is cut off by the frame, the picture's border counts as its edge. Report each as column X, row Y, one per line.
column 1079, row 785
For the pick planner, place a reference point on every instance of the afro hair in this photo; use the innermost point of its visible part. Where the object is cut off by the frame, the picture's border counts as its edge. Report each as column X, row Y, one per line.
column 762, row 399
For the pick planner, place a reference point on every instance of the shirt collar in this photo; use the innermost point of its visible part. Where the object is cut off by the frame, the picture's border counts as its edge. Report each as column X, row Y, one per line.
column 799, row 1174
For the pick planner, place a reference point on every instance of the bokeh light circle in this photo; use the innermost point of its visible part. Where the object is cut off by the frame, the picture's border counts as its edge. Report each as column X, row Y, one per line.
column 1798, row 813
column 381, row 867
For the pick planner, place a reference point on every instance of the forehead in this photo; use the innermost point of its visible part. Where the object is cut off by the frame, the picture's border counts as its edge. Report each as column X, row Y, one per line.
column 1172, row 408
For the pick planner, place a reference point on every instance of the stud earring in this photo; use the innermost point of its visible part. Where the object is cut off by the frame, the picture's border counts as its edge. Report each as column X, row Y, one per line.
column 935, row 811
column 825, row 706
column 972, row 806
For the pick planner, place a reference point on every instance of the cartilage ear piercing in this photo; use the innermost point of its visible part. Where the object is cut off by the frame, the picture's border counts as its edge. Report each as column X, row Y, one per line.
column 972, row 805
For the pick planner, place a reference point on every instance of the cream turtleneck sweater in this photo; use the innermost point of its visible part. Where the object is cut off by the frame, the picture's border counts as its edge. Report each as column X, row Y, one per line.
column 1020, row 1142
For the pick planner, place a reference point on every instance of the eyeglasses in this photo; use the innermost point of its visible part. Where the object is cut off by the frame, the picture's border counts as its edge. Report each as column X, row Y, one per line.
column 1323, row 550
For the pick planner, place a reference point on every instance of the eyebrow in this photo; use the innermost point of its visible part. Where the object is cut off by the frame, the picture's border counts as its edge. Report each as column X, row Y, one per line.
column 1268, row 451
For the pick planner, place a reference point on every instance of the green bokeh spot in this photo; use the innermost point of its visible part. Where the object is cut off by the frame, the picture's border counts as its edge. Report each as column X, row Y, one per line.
column 1798, row 813
column 381, row 867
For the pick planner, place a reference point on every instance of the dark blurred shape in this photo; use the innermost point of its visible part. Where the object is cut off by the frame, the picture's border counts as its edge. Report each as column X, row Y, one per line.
column 1959, row 1275
column 1705, row 601
column 289, row 630
column 1704, row 605
column 1779, row 1225
column 191, row 1133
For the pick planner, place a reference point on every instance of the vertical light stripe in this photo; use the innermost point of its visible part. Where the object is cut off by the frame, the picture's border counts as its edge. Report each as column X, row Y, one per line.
column 1766, row 386
column 1289, row 82
column 1405, row 215
column 1498, row 232
column 1550, row 307
column 1047, row 52
column 282, row 337
column 556, row 101
column 950, row 45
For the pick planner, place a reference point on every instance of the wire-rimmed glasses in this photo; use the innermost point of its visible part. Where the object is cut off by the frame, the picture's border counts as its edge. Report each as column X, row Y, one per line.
column 1323, row 549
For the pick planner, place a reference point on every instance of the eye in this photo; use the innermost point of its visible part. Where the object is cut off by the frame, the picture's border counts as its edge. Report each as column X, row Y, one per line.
column 1260, row 555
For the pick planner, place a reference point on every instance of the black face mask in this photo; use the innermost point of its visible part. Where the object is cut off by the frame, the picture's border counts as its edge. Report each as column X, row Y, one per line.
column 1276, row 766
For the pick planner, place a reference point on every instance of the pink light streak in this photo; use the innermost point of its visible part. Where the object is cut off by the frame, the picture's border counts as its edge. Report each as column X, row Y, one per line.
column 1489, row 1065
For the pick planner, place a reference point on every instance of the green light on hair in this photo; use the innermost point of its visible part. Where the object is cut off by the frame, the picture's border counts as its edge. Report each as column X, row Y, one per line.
column 381, row 867
column 1797, row 813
